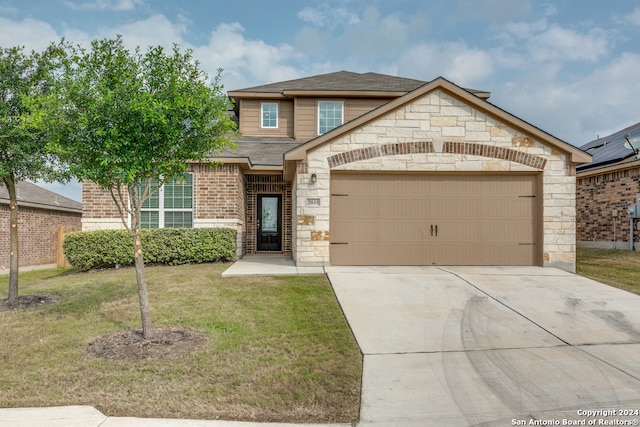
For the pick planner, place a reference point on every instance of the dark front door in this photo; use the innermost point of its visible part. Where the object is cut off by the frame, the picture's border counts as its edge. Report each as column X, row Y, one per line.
column 269, row 224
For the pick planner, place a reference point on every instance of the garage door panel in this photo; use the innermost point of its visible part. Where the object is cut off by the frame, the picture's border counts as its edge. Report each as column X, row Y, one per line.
column 433, row 219
column 355, row 207
column 397, row 208
column 402, row 231
column 364, row 230
column 487, row 253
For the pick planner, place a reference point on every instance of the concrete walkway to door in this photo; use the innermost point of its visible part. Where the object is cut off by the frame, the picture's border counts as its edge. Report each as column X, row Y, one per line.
column 461, row 346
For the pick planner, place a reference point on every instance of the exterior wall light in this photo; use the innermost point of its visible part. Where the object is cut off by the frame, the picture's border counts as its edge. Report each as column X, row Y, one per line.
column 314, row 178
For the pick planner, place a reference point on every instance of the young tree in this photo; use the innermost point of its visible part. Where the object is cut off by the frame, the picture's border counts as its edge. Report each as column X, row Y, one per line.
column 23, row 153
column 123, row 119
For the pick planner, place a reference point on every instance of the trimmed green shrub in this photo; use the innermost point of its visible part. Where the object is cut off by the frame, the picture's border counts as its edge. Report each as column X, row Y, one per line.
column 87, row 250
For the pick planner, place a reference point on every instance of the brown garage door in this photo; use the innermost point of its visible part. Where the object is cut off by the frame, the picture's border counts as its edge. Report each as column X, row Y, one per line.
column 433, row 219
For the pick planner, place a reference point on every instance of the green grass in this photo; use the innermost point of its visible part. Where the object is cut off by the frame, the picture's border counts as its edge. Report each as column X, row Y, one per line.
column 279, row 350
column 618, row 268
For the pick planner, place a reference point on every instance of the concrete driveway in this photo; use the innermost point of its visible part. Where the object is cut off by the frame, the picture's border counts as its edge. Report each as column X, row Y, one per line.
column 461, row 346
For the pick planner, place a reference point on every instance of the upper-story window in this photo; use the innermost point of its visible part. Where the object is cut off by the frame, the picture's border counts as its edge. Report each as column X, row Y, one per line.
column 330, row 115
column 171, row 206
column 269, row 115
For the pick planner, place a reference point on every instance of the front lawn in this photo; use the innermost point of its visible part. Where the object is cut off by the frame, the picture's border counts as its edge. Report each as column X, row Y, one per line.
column 619, row 268
column 279, row 348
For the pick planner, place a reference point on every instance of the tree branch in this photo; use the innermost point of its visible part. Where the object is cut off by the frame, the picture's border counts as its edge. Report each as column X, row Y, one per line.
column 120, row 205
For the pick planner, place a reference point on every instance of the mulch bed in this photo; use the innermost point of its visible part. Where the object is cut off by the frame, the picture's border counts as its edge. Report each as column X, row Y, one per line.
column 166, row 343
column 24, row 302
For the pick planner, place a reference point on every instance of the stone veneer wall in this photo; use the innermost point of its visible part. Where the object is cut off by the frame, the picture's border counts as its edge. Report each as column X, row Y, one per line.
column 598, row 194
column 436, row 133
column 218, row 202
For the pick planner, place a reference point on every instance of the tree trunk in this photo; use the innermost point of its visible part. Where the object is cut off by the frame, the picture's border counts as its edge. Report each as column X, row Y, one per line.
column 143, row 297
column 10, row 182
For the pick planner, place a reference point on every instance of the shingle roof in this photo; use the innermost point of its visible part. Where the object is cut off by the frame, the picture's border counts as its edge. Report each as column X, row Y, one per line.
column 345, row 81
column 260, row 150
column 341, row 81
column 31, row 195
column 610, row 149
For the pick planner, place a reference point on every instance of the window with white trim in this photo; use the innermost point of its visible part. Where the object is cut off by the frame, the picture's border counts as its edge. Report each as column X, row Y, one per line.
column 330, row 115
column 171, row 206
column 269, row 114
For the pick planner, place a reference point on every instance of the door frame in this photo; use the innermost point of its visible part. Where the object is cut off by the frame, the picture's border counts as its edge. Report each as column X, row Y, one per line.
column 258, row 225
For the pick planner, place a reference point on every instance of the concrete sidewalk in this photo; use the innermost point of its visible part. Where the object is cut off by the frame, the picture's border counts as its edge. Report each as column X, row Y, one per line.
column 268, row 265
column 88, row 416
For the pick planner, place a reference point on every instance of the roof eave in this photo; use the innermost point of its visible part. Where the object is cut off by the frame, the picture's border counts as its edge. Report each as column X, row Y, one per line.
column 344, row 93
column 317, row 94
column 246, row 164
column 623, row 164
column 44, row 206
column 270, row 95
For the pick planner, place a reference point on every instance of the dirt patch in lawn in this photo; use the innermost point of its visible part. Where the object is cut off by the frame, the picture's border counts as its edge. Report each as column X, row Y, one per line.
column 165, row 343
column 24, row 302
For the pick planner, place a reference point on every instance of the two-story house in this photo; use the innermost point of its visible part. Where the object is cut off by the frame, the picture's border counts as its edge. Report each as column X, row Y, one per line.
column 355, row 169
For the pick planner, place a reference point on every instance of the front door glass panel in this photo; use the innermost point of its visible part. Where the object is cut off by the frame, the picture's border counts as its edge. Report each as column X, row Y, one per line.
column 269, row 224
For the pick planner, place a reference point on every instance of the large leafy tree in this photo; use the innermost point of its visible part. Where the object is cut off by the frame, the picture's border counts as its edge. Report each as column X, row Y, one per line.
column 126, row 119
column 23, row 153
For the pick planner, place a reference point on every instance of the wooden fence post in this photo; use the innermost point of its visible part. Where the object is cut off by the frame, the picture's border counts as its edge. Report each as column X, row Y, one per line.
column 61, row 260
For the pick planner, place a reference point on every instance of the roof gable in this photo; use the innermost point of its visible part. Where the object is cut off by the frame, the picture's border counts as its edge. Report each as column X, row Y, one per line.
column 576, row 155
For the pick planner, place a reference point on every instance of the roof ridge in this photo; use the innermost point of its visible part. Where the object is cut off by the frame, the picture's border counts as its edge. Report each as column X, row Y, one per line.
column 340, row 81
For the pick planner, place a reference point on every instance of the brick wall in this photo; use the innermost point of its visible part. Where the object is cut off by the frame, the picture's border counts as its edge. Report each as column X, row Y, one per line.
column 268, row 184
column 37, row 233
column 597, row 195
column 96, row 202
column 218, row 192
column 219, row 201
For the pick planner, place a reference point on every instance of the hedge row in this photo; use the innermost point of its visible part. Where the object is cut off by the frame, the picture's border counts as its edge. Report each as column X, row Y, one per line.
column 111, row 248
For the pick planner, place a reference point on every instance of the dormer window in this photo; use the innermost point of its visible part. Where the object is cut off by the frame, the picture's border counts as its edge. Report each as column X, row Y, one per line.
column 269, row 114
column 330, row 115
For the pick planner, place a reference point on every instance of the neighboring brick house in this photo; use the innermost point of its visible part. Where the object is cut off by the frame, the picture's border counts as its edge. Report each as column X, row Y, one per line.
column 606, row 187
column 347, row 168
column 40, row 213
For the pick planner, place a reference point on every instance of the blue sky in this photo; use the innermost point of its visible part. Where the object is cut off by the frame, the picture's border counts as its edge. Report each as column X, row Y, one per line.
column 571, row 68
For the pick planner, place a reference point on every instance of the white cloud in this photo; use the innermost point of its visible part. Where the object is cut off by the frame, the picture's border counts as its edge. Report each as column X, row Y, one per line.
column 30, row 33
column 542, row 41
column 374, row 36
column 492, row 11
column 524, row 30
column 152, row 31
column 328, row 16
column 599, row 104
column 8, row 10
column 246, row 62
column 634, row 17
column 116, row 5
column 557, row 43
column 454, row 61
